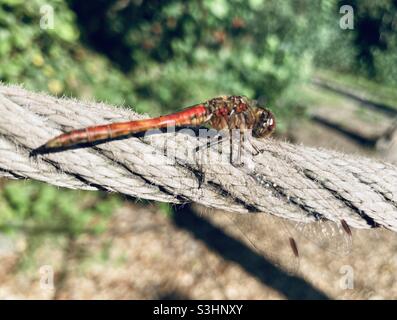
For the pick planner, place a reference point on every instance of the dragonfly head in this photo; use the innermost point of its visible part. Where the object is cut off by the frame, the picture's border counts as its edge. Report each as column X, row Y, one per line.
column 265, row 123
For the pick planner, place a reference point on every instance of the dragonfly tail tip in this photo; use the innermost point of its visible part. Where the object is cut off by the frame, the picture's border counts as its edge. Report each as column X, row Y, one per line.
column 40, row 150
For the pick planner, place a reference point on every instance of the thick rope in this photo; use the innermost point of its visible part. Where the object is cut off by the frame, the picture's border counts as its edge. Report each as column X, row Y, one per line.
column 290, row 181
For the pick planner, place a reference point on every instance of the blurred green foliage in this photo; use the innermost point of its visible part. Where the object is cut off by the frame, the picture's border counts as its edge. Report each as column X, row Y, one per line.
column 35, row 206
column 41, row 212
column 53, row 60
column 370, row 49
column 162, row 55
column 179, row 52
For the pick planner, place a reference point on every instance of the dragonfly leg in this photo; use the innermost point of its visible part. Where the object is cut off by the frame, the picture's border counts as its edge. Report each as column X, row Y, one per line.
column 200, row 177
column 238, row 162
column 214, row 141
column 211, row 142
column 231, row 146
column 255, row 147
column 220, row 138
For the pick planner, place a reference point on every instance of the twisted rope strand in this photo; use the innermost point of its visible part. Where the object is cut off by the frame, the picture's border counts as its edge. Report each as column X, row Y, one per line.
column 291, row 181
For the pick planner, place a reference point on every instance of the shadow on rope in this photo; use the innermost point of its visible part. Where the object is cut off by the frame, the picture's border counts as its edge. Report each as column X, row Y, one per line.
column 292, row 287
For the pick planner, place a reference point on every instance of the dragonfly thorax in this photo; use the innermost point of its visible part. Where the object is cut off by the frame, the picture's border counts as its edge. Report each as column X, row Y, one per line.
column 239, row 112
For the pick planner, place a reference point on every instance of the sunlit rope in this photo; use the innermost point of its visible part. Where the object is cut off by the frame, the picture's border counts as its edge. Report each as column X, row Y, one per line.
column 291, row 181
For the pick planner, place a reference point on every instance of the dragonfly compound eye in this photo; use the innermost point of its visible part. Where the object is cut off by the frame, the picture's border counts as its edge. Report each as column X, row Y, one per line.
column 271, row 122
column 265, row 124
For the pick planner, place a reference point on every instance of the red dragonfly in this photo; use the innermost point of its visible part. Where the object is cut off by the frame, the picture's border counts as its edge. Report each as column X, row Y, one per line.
column 222, row 113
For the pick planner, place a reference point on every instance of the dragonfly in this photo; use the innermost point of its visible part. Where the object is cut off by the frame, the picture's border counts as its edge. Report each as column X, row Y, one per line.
column 224, row 113
column 221, row 113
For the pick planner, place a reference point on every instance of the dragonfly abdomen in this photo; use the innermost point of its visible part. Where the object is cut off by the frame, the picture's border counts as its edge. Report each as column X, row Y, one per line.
column 194, row 116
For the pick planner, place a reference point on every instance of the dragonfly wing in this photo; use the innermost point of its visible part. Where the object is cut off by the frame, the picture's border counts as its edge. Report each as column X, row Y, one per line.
column 328, row 235
column 316, row 203
column 266, row 235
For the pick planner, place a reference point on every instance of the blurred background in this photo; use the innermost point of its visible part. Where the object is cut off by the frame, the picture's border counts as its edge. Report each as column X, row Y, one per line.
column 329, row 74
